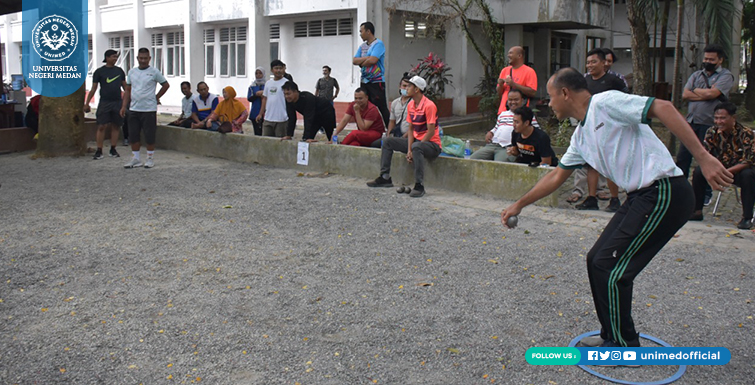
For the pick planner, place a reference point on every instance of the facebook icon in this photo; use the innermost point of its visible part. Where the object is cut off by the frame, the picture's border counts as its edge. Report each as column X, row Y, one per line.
column 592, row 355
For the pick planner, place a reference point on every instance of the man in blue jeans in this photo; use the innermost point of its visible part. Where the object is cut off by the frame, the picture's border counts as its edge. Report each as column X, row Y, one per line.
column 704, row 90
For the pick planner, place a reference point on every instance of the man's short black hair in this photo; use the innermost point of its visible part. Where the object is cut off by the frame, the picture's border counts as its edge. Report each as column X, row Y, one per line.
column 597, row 51
column 290, row 86
column 526, row 114
column 327, row 68
column 608, row 51
column 143, row 50
column 516, row 91
column 200, row 83
column 717, row 49
column 729, row 107
column 570, row 79
column 186, row 83
column 360, row 89
column 369, row 26
column 276, row 63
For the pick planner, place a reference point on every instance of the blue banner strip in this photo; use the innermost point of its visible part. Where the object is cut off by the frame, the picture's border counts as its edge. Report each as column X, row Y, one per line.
column 654, row 356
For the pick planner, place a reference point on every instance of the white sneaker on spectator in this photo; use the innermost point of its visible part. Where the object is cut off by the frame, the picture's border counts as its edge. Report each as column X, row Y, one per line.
column 133, row 163
column 149, row 163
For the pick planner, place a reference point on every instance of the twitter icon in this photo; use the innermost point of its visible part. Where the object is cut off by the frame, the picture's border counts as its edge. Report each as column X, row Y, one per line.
column 604, row 356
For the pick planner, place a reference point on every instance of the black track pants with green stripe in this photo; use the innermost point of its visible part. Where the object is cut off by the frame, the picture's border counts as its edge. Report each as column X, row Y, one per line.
column 646, row 221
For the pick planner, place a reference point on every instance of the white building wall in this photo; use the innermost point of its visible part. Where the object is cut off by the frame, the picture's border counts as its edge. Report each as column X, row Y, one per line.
column 298, row 7
column 165, row 13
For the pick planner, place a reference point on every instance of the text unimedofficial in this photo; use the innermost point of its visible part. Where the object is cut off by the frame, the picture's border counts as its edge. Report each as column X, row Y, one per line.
column 696, row 355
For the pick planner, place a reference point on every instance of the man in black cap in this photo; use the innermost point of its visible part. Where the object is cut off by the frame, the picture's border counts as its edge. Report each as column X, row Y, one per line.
column 112, row 80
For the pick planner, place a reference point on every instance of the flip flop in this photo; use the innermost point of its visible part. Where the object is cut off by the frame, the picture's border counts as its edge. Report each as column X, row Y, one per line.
column 574, row 198
column 604, row 196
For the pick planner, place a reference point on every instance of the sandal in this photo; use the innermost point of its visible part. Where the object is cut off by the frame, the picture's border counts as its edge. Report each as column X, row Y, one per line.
column 574, row 198
column 604, row 195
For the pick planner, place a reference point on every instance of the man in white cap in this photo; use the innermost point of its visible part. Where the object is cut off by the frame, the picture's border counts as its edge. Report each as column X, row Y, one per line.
column 422, row 142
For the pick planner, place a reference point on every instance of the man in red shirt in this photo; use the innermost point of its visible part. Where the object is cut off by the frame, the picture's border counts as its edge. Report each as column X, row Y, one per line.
column 367, row 116
column 518, row 76
column 422, row 142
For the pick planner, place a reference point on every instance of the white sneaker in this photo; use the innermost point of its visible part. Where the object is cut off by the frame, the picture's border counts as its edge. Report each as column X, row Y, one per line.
column 133, row 163
column 149, row 163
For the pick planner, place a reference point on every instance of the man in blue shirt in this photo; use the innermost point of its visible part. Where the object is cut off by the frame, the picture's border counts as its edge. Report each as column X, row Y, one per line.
column 370, row 57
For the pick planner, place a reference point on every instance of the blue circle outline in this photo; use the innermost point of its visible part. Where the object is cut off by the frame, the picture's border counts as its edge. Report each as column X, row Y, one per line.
column 679, row 373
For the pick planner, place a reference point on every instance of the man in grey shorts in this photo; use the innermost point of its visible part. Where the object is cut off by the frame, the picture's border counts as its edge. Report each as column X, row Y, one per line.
column 140, row 95
column 111, row 79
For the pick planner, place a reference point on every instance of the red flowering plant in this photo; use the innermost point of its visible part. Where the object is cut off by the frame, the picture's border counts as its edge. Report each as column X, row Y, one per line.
column 436, row 73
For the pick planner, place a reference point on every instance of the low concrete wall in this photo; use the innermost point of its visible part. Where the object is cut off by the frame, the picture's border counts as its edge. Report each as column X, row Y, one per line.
column 501, row 180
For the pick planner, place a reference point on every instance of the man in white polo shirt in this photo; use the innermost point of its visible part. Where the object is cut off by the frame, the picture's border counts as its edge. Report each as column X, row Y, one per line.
column 614, row 139
column 140, row 94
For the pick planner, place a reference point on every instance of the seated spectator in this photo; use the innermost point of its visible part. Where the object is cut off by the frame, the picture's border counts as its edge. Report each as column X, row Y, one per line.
column 317, row 111
column 530, row 145
column 423, row 141
column 229, row 111
column 499, row 138
column 202, row 106
column 185, row 119
column 254, row 96
column 731, row 143
column 367, row 117
column 398, row 126
column 32, row 114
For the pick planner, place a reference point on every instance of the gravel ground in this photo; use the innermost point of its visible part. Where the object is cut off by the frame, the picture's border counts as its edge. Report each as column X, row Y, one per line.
column 205, row 270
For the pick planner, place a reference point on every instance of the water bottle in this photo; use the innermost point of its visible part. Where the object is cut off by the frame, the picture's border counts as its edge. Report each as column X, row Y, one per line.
column 467, row 150
column 382, row 140
column 335, row 139
column 440, row 131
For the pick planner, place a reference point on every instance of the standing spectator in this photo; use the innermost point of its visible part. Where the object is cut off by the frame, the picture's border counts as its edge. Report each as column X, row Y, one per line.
column 370, row 57
column 140, row 95
column 423, row 141
column 610, row 59
column 254, row 96
column 530, row 145
column 286, row 74
column 229, row 112
column 186, row 103
column 326, row 84
column 113, row 79
column 318, row 113
column 273, row 109
column 516, row 76
column 598, row 81
column 704, row 90
column 32, row 114
column 731, row 143
column 499, row 138
column 202, row 106
column 367, row 117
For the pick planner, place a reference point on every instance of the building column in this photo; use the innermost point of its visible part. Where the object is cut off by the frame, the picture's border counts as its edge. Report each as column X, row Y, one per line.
column 12, row 51
column 258, row 42
column 99, row 42
column 193, row 45
column 541, row 58
column 513, row 35
column 457, row 56
column 142, row 38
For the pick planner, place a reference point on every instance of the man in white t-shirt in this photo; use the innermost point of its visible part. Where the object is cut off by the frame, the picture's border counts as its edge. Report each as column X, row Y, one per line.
column 499, row 138
column 273, row 109
column 613, row 138
column 140, row 95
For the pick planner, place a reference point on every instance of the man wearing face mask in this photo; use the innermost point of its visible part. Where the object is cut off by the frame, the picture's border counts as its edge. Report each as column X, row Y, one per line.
column 704, row 90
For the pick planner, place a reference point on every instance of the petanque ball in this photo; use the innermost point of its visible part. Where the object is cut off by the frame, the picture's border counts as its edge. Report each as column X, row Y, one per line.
column 512, row 221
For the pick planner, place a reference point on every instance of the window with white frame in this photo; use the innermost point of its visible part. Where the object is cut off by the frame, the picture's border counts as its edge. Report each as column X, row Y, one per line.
column 176, row 65
column 422, row 30
column 233, row 51
column 157, row 51
column 209, row 52
column 124, row 45
column 275, row 35
column 91, row 65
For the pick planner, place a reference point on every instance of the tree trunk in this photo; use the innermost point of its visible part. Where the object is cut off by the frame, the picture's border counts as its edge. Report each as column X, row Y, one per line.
column 664, row 33
column 640, row 47
column 750, row 92
column 61, row 125
column 678, row 54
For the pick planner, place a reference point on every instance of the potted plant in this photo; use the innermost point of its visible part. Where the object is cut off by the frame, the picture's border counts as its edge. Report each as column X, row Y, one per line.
column 436, row 73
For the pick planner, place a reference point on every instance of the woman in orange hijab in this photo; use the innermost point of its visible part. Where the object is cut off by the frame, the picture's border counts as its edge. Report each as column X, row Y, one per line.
column 230, row 111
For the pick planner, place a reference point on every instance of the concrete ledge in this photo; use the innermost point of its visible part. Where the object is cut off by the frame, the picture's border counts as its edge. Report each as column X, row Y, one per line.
column 17, row 139
column 501, row 180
